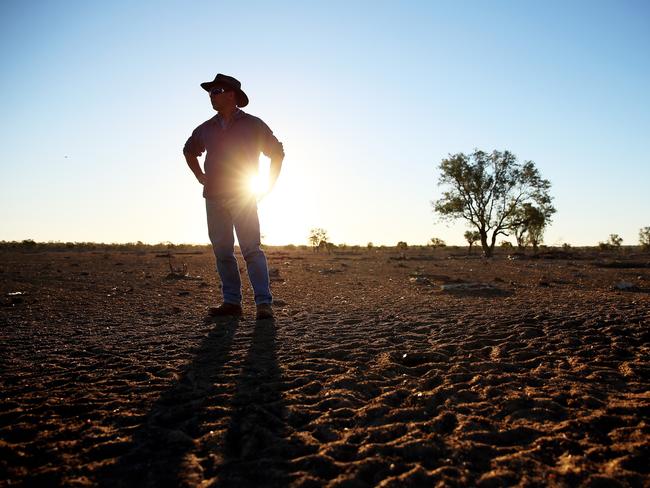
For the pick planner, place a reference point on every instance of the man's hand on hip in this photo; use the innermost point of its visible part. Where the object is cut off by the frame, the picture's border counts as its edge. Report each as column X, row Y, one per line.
column 202, row 178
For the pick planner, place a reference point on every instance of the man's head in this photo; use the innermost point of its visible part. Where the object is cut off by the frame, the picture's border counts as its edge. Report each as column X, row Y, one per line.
column 223, row 99
column 225, row 92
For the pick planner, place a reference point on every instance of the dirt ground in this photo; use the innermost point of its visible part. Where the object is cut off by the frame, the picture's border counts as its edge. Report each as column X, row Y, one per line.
column 376, row 372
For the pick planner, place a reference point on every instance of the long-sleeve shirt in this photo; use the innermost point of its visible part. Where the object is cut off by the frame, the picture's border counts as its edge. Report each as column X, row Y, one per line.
column 233, row 152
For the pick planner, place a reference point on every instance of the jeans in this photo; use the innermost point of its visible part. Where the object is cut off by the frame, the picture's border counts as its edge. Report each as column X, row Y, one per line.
column 241, row 213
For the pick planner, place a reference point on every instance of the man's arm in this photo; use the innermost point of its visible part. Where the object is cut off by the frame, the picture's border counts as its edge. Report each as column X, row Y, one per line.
column 273, row 149
column 274, row 170
column 193, row 163
column 193, row 148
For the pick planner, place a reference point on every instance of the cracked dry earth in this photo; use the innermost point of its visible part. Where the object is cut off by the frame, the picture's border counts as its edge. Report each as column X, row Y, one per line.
column 370, row 375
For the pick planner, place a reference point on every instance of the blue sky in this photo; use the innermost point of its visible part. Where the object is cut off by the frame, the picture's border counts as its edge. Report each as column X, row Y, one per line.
column 367, row 97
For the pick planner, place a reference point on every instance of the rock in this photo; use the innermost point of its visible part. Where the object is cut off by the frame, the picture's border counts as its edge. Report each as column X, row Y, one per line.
column 467, row 287
column 329, row 271
column 625, row 286
column 420, row 280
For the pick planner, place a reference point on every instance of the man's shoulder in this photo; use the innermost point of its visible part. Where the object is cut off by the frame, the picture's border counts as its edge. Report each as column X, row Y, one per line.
column 207, row 123
column 252, row 119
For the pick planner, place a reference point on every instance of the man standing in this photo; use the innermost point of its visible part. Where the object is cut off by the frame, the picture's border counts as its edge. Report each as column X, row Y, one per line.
column 234, row 140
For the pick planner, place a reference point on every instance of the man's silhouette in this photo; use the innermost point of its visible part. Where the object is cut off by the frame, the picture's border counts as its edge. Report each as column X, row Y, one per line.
column 234, row 140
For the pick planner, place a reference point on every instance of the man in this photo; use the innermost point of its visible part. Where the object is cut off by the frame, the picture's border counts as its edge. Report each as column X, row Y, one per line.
column 233, row 141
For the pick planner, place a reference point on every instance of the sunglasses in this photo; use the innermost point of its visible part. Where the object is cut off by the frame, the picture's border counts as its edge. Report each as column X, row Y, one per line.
column 217, row 91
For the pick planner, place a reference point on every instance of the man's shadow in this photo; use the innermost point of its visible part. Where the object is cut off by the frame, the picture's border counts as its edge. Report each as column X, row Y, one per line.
column 164, row 450
column 255, row 448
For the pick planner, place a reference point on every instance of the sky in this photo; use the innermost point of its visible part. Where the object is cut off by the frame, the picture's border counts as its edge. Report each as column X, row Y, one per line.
column 98, row 99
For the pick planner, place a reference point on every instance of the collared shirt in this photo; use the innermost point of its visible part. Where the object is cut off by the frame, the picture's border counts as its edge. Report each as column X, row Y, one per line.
column 238, row 113
column 233, row 152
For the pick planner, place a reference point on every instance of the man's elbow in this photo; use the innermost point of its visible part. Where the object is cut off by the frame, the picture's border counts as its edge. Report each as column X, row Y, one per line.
column 189, row 155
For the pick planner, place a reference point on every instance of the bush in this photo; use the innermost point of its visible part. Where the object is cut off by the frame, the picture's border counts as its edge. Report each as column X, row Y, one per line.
column 402, row 246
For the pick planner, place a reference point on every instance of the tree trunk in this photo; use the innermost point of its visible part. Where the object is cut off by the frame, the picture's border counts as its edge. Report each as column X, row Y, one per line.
column 487, row 250
column 494, row 240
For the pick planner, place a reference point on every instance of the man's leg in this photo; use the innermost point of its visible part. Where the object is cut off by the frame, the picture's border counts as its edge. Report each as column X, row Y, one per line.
column 220, row 230
column 247, row 226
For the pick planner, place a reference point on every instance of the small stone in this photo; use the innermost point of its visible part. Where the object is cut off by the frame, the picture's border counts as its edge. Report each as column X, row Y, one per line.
column 624, row 285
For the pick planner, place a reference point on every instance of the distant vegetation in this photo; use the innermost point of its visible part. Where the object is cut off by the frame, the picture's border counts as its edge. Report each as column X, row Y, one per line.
column 318, row 240
column 472, row 237
column 496, row 195
column 614, row 242
column 30, row 244
column 644, row 238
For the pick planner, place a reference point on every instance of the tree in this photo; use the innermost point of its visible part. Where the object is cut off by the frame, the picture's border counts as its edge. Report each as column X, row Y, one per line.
column 471, row 236
column 615, row 240
column 528, row 223
column 437, row 242
column 487, row 190
column 644, row 238
column 316, row 236
column 536, row 226
column 402, row 246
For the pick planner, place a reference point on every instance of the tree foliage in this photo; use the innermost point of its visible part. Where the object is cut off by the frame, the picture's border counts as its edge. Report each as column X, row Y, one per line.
column 528, row 223
column 488, row 189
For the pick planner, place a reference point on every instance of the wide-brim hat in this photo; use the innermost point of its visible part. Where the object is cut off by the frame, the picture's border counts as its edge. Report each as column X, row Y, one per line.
column 229, row 83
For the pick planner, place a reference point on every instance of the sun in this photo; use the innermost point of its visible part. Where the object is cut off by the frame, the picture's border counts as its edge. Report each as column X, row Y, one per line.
column 258, row 183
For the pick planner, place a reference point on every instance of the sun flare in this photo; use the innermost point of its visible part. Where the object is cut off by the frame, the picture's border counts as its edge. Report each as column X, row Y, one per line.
column 259, row 183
